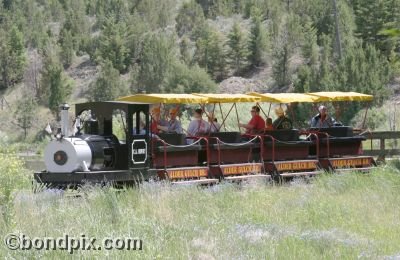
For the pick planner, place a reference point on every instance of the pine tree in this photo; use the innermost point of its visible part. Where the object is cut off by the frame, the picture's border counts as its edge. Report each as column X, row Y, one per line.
column 108, row 85
column 184, row 79
column 67, row 48
column 237, row 53
column 12, row 58
column 210, row 53
column 55, row 86
column 113, row 45
column 257, row 42
column 185, row 50
column 25, row 114
column 190, row 16
column 155, row 63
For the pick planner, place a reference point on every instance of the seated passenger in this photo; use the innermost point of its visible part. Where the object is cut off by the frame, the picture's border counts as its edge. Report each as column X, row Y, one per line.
column 213, row 123
column 156, row 122
column 142, row 130
column 268, row 124
column 197, row 126
column 173, row 125
column 256, row 124
column 322, row 119
column 282, row 122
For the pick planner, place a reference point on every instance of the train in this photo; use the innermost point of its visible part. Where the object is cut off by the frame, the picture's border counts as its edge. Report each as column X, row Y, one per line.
column 96, row 153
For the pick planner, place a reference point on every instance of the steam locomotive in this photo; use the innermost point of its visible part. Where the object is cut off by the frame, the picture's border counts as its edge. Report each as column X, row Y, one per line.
column 98, row 151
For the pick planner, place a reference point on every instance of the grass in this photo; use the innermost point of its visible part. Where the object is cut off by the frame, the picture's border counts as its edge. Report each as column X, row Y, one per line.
column 335, row 216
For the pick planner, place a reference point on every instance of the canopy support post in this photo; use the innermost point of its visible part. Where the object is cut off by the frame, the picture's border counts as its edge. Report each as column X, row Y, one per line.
column 222, row 114
column 261, row 109
column 237, row 116
column 223, row 122
column 365, row 116
column 269, row 109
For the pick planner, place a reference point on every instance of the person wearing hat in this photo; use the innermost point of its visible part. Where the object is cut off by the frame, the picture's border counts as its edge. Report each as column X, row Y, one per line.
column 282, row 121
column 322, row 119
column 174, row 125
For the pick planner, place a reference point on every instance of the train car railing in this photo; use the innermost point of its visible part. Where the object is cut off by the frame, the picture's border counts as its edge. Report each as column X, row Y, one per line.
column 197, row 141
column 383, row 151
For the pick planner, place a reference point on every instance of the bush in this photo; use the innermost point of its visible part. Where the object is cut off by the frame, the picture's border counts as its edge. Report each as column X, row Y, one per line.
column 13, row 176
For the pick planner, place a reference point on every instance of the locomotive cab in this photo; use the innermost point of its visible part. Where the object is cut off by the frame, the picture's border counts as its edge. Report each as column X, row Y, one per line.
column 99, row 145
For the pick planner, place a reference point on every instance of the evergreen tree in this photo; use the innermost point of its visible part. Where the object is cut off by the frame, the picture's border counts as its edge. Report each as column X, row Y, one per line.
column 67, row 47
column 25, row 114
column 55, row 87
column 190, row 16
column 237, row 53
column 112, row 45
column 185, row 50
column 184, row 79
column 257, row 42
column 374, row 16
column 210, row 53
column 108, row 85
column 155, row 63
column 12, row 57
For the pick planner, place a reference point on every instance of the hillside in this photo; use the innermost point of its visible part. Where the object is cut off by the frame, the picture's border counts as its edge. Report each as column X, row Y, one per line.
column 76, row 50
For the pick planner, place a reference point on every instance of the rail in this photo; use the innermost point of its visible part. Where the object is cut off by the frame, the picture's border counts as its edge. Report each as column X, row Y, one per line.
column 383, row 151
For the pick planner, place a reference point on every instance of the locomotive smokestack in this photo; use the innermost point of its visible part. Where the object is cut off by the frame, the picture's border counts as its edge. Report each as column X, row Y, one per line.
column 64, row 119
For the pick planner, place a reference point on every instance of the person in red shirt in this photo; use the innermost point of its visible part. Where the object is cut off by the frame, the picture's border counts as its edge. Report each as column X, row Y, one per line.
column 256, row 124
column 156, row 122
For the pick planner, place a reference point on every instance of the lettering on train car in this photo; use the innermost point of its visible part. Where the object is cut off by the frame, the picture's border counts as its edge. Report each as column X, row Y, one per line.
column 241, row 169
column 354, row 162
column 139, row 151
column 187, row 173
column 295, row 166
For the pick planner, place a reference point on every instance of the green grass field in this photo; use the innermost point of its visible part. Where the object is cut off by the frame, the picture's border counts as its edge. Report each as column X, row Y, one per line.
column 332, row 217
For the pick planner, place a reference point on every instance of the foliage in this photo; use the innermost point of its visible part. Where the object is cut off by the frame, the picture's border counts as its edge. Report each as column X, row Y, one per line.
column 155, row 63
column 108, row 85
column 112, row 45
column 12, row 57
column 210, row 53
column 238, row 52
column 55, row 87
column 184, row 79
column 25, row 113
column 257, row 40
column 190, row 17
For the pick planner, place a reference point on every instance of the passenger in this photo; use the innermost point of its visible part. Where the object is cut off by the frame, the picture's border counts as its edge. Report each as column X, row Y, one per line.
column 142, row 129
column 256, row 124
column 156, row 122
column 197, row 126
column 282, row 122
column 213, row 123
column 268, row 124
column 174, row 125
column 322, row 119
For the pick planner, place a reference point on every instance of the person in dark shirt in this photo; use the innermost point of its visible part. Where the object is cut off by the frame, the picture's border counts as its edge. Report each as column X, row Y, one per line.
column 322, row 119
column 282, row 121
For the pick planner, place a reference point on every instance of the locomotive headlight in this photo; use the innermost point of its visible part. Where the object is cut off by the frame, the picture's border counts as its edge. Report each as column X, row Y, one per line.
column 58, row 136
column 60, row 157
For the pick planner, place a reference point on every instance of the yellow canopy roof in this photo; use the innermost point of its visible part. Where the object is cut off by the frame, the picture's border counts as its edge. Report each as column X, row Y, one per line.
column 286, row 97
column 165, row 98
column 229, row 98
column 342, row 96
